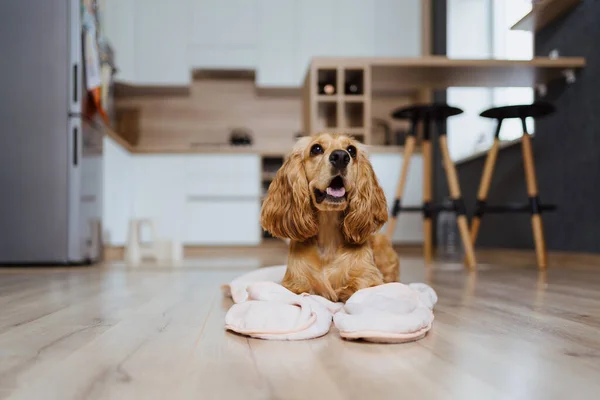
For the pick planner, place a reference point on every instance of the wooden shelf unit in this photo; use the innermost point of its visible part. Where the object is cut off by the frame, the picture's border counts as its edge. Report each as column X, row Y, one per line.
column 339, row 112
column 390, row 82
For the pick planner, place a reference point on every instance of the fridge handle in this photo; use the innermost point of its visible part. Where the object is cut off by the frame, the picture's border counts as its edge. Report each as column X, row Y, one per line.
column 75, row 80
column 75, row 146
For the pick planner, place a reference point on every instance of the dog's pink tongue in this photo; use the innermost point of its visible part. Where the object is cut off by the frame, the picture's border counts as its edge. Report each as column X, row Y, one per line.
column 336, row 192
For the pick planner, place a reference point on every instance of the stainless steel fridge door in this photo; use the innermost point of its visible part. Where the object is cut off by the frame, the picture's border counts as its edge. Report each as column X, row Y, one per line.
column 34, row 132
column 75, row 59
column 76, row 249
column 92, row 187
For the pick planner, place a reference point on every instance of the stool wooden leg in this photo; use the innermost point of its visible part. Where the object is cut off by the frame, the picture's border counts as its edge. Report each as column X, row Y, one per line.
column 409, row 147
column 532, row 191
column 454, row 187
column 427, row 222
column 484, row 186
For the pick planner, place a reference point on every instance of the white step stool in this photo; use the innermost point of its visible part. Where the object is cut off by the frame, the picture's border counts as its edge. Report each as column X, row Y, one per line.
column 160, row 250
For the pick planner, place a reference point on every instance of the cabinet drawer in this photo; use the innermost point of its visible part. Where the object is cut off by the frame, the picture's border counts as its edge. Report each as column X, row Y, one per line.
column 224, row 175
column 234, row 222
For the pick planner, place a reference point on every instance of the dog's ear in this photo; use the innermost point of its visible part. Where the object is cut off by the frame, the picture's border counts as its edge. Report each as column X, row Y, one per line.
column 367, row 207
column 287, row 211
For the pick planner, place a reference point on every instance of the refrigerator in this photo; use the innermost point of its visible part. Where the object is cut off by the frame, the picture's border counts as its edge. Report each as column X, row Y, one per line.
column 50, row 156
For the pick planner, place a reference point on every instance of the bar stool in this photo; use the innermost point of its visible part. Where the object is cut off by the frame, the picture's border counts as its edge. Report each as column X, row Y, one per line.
column 427, row 114
column 535, row 110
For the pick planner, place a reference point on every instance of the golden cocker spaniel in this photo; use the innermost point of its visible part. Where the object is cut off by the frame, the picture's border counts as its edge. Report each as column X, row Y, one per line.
column 327, row 201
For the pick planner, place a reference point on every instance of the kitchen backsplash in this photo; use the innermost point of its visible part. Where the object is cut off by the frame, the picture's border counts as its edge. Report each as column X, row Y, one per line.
column 211, row 112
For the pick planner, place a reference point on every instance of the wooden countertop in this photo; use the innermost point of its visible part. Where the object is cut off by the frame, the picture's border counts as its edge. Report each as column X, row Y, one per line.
column 264, row 151
column 543, row 13
column 442, row 72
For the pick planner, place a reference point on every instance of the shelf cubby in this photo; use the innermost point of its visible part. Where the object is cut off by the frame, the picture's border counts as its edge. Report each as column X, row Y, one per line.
column 354, row 79
column 327, row 115
column 339, row 111
column 354, row 115
column 326, row 77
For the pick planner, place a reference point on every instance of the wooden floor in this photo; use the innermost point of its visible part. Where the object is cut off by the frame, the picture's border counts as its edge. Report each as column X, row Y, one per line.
column 116, row 332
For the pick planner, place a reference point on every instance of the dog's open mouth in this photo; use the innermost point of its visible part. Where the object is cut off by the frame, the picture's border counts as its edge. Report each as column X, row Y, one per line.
column 335, row 192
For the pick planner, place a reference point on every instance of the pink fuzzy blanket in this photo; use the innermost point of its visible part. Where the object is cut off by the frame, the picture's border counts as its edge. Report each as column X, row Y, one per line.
column 390, row 313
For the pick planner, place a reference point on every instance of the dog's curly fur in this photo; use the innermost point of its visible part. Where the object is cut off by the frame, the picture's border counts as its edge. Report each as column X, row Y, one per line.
column 334, row 250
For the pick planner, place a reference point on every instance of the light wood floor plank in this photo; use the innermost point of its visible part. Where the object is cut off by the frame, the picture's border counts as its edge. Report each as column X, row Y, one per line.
column 116, row 332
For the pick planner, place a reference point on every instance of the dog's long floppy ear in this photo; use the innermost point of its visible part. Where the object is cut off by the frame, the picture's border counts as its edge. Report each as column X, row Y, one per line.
column 287, row 211
column 367, row 207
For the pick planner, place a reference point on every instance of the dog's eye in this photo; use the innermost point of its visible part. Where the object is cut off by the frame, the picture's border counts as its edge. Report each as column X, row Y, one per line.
column 316, row 150
column 352, row 151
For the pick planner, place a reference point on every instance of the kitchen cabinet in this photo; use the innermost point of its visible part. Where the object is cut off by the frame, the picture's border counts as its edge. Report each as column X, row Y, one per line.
column 119, row 28
column 291, row 33
column 276, row 52
column 117, row 192
column 215, row 199
column 223, row 176
column 354, row 28
column 397, row 28
column 198, row 199
column 222, row 222
column 222, row 199
column 159, row 192
column 223, row 34
column 315, row 21
column 149, row 39
column 161, row 43
column 409, row 228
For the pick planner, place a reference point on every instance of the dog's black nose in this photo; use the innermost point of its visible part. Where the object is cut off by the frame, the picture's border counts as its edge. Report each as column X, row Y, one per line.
column 339, row 159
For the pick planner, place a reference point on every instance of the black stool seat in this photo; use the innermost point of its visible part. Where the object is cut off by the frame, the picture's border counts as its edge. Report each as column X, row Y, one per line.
column 434, row 111
column 535, row 110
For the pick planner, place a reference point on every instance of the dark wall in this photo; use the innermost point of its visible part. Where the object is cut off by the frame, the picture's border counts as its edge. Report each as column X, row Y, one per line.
column 439, row 47
column 566, row 147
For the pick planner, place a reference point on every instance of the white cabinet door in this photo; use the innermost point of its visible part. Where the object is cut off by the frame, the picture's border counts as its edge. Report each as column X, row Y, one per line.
column 397, row 30
column 119, row 28
column 226, row 222
column 159, row 192
column 117, row 192
column 222, row 199
column 276, row 62
column 223, row 34
column 409, row 228
column 222, row 176
column 316, row 27
column 161, row 42
column 354, row 28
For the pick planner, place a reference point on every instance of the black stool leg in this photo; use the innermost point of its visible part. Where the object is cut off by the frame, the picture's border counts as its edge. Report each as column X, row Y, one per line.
column 484, row 185
column 409, row 147
column 455, row 194
column 532, row 192
column 427, row 197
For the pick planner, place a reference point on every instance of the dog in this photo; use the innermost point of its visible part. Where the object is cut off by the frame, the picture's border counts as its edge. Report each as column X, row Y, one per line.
column 327, row 201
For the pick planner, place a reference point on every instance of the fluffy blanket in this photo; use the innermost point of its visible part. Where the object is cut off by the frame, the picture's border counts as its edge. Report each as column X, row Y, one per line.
column 390, row 313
